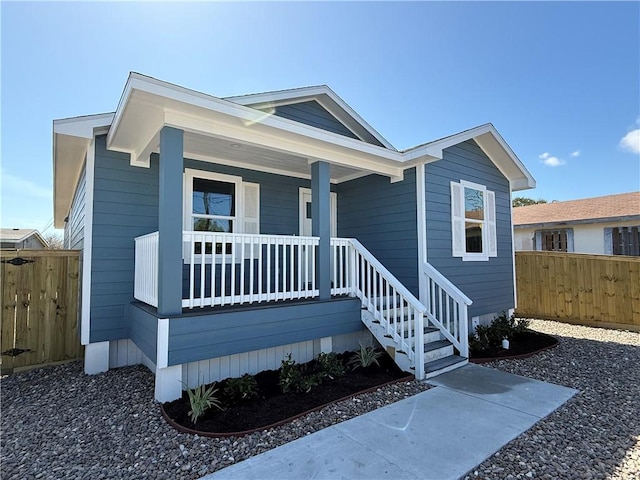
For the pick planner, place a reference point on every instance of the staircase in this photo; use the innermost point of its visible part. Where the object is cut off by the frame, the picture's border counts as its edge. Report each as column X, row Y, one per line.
column 394, row 316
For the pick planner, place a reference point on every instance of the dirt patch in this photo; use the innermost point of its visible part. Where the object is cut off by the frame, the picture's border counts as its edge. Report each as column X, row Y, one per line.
column 522, row 345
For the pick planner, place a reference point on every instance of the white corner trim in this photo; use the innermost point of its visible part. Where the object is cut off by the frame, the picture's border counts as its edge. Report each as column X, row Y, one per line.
column 87, row 245
column 162, row 347
column 513, row 249
column 168, row 385
column 421, row 225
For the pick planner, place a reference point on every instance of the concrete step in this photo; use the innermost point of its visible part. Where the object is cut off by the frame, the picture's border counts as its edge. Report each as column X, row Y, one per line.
column 442, row 365
column 435, row 350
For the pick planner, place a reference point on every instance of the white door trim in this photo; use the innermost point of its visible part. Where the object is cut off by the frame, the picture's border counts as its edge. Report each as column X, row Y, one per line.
column 302, row 211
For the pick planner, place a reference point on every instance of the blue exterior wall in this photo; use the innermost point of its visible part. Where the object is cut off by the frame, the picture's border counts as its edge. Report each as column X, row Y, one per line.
column 383, row 217
column 200, row 337
column 74, row 227
column 313, row 114
column 125, row 205
column 143, row 329
column 488, row 283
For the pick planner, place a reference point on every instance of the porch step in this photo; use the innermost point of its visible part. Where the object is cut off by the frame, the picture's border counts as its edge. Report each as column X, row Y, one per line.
column 442, row 365
column 436, row 350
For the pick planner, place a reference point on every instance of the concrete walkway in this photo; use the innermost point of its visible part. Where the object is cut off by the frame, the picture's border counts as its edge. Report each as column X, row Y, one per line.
column 439, row 434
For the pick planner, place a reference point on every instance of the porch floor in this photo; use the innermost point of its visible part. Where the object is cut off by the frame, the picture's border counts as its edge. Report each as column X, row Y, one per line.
column 422, row 433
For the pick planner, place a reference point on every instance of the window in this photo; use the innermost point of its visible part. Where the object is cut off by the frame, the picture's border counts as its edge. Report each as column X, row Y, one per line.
column 473, row 221
column 622, row 241
column 213, row 205
column 220, row 203
column 560, row 240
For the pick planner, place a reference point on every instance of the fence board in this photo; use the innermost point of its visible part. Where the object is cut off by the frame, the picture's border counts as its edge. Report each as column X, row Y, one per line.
column 39, row 307
column 600, row 290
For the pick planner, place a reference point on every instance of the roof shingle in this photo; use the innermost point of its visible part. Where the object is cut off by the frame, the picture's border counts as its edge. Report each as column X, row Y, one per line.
column 597, row 208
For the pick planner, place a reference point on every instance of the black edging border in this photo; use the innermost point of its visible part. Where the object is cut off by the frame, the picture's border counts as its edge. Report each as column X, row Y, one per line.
column 517, row 357
column 183, row 429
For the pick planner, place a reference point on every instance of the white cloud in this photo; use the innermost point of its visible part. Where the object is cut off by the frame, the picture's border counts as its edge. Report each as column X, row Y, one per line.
column 631, row 141
column 575, row 153
column 551, row 161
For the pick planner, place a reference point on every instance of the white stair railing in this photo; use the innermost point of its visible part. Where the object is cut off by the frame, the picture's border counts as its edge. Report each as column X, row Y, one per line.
column 399, row 314
column 447, row 308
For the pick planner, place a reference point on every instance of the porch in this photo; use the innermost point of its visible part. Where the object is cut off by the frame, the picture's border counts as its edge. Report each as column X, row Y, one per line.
column 227, row 274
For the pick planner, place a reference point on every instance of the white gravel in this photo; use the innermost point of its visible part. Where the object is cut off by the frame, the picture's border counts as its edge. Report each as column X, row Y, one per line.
column 58, row 423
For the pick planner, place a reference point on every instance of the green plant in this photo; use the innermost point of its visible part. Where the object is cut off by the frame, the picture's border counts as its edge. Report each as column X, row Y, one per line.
column 364, row 358
column 294, row 378
column 488, row 338
column 330, row 365
column 242, row 388
column 201, row 399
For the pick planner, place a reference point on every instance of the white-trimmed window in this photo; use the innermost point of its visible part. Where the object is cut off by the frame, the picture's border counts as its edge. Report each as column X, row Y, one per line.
column 220, row 203
column 473, row 221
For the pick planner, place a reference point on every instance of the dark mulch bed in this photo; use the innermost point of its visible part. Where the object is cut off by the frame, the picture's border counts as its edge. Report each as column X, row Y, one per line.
column 520, row 346
column 272, row 406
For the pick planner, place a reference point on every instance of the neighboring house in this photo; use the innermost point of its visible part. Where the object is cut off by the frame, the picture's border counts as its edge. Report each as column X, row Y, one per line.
column 22, row 239
column 606, row 225
column 221, row 234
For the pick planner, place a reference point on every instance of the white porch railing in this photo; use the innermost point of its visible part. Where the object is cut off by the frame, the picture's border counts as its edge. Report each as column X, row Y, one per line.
column 231, row 268
column 228, row 269
column 146, row 269
column 447, row 308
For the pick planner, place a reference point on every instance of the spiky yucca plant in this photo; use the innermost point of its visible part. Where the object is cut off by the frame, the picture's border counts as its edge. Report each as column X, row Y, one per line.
column 201, row 399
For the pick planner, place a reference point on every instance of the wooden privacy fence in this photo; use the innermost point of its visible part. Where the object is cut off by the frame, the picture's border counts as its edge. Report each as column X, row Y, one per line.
column 39, row 307
column 596, row 290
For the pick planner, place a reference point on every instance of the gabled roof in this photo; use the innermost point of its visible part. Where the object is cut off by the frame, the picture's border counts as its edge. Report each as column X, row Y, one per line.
column 18, row 235
column 325, row 97
column 236, row 130
column 624, row 206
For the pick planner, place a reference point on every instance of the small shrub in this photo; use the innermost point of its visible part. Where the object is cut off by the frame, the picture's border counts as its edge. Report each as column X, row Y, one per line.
column 239, row 389
column 489, row 338
column 294, row 378
column 330, row 366
column 366, row 357
column 201, row 399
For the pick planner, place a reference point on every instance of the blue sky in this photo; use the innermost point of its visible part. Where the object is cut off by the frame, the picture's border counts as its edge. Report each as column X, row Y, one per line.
column 560, row 81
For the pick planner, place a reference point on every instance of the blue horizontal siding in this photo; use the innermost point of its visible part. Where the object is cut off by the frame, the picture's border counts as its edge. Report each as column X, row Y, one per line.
column 382, row 216
column 199, row 337
column 125, row 206
column 313, row 114
column 143, row 330
column 488, row 283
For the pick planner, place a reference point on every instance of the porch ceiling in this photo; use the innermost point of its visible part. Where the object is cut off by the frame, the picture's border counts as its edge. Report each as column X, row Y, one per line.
column 245, row 155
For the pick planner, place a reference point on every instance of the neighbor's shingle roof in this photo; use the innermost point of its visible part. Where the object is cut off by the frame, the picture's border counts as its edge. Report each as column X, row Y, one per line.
column 16, row 234
column 610, row 206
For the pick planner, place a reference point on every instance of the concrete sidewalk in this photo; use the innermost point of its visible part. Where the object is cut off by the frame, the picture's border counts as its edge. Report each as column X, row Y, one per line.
column 439, row 434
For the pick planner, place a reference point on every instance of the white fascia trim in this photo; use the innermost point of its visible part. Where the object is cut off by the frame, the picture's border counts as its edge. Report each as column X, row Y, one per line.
column 85, row 319
column 82, row 126
column 246, row 114
column 325, row 151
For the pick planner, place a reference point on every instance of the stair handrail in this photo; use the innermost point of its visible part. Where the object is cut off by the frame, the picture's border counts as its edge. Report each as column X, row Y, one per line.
column 418, row 338
column 460, row 334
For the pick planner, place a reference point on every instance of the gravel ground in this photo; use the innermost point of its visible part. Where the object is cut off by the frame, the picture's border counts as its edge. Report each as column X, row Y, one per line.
column 58, row 423
column 596, row 434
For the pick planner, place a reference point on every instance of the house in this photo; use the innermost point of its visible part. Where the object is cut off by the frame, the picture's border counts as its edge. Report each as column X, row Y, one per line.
column 22, row 239
column 221, row 234
column 606, row 225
